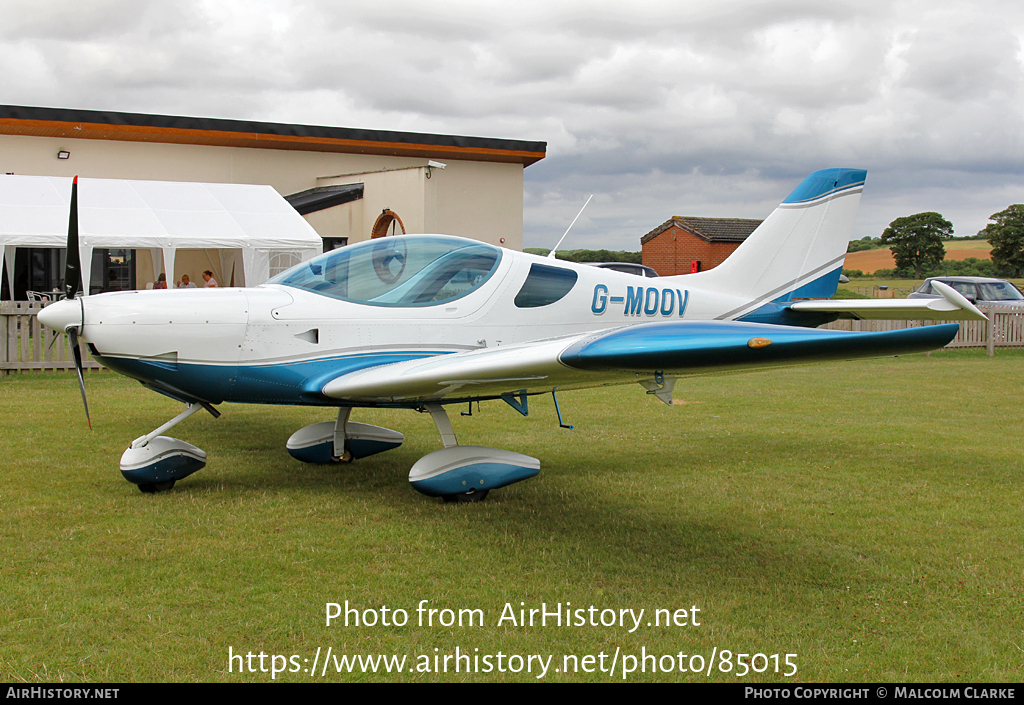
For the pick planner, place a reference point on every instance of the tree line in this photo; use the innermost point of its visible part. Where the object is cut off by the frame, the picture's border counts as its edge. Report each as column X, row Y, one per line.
column 589, row 255
column 917, row 246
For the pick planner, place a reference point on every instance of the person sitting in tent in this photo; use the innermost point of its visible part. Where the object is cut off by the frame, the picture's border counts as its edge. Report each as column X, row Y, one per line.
column 208, row 278
column 161, row 282
column 185, row 283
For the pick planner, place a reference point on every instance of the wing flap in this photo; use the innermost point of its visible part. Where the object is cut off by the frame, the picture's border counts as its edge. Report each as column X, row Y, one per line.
column 622, row 355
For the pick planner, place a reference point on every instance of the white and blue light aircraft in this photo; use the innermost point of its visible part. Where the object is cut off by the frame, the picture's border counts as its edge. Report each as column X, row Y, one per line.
column 425, row 321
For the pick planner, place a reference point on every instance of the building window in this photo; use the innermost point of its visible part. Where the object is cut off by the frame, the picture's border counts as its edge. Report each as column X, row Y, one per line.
column 388, row 223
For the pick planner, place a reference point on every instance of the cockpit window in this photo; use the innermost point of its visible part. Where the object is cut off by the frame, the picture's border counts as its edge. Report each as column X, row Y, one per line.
column 545, row 285
column 407, row 270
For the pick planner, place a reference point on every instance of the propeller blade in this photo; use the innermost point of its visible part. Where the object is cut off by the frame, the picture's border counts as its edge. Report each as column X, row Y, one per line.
column 73, row 268
column 77, row 352
column 53, row 340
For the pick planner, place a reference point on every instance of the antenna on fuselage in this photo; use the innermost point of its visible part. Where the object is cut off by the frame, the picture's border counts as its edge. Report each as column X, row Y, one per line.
column 551, row 255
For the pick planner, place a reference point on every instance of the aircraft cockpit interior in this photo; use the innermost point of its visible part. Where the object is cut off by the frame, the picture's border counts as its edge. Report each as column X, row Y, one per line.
column 411, row 270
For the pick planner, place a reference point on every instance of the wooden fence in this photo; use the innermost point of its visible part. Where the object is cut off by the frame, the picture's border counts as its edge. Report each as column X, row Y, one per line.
column 1003, row 329
column 28, row 347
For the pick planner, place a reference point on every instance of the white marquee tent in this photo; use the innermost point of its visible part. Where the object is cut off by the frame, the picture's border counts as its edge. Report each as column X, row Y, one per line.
column 161, row 216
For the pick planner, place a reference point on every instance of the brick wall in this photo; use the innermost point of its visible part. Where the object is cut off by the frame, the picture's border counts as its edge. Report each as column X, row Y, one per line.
column 671, row 252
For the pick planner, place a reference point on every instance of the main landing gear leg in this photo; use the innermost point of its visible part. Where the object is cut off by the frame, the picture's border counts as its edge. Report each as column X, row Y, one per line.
column 155, row 462
column 341, row 440
column 466, row 473
column 444, row 427
column 341, row 453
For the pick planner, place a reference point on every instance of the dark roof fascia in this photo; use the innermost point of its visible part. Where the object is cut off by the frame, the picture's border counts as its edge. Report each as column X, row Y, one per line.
column 95, row 124
column 657, row 231
column 322, row 197
column 743, row 227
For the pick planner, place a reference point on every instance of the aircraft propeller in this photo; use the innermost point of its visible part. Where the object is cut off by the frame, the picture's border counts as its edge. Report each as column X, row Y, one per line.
column 73, row 267
column 77, row 352
column 72, row 283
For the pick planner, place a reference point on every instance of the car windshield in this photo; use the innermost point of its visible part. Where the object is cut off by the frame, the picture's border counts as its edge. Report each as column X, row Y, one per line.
column 407, row 270
column 998, row 291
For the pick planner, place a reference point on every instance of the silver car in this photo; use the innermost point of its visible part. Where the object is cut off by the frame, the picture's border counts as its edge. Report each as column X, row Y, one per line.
column 977, row 290
column 627, row 267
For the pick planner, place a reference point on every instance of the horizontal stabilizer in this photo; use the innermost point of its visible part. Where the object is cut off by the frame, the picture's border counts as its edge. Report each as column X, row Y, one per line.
column 954, row 306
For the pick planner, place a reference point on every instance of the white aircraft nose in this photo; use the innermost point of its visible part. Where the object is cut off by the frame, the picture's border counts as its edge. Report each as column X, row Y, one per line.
column 62, row 314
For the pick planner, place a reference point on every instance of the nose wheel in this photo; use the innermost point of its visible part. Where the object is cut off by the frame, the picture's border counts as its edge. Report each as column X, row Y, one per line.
column 466, row 497
column 155, row 487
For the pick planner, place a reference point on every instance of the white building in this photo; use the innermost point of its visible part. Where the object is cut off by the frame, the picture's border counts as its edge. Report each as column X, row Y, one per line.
column 349, row 184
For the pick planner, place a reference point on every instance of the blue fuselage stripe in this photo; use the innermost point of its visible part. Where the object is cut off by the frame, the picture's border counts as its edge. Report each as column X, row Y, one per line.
column 299, row 383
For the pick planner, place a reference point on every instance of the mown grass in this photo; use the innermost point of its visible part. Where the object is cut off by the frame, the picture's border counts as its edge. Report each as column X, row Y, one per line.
column 865, row 516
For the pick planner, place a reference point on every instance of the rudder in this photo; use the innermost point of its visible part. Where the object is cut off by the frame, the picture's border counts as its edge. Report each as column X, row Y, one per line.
column 798, row 251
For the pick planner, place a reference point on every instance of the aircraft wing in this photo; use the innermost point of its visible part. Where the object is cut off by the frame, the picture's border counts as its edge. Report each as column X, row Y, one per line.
column 953, row 306
column 620, row 355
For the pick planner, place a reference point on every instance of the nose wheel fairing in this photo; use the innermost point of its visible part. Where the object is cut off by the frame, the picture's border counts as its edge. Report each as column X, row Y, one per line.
column 162, row 460
column 155, row 462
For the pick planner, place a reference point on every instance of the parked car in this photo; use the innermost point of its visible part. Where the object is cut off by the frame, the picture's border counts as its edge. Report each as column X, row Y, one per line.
column 978, row 290
column 629, row 268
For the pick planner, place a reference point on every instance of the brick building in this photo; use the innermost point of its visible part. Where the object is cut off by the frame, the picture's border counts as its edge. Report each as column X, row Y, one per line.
column 677, row 244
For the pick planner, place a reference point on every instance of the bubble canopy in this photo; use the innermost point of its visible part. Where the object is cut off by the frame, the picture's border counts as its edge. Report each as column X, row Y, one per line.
column 404, row 271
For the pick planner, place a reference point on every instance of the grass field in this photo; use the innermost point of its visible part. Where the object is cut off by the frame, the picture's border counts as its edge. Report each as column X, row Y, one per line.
column 864, row 516
column 869, row 286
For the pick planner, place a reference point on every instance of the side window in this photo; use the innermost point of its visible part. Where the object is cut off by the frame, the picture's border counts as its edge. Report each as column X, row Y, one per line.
column 964, row 288
column 545, row 285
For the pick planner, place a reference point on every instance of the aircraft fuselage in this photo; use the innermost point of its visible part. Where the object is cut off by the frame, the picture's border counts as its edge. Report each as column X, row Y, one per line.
column 278, row 344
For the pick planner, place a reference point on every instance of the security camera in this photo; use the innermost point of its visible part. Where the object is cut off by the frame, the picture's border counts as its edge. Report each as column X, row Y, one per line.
column 436, row 165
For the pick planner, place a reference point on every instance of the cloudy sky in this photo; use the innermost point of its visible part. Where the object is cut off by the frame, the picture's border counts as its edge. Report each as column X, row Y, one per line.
column 712, row 108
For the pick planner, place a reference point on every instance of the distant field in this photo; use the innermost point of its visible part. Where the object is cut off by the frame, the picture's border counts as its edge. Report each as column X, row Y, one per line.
column 872, row 260
column 869, row 261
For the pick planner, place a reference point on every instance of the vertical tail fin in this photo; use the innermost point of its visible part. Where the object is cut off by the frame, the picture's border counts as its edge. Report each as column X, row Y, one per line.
column 798, row 251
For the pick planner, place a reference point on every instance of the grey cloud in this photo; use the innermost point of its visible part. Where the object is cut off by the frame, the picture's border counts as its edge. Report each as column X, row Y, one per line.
column 660, row 108
column 69, row 20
